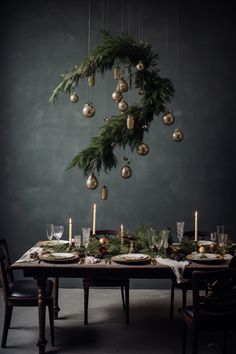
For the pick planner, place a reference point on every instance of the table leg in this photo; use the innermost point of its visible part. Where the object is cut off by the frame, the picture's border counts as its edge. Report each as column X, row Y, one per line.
column 41, row 312
column 56, row 308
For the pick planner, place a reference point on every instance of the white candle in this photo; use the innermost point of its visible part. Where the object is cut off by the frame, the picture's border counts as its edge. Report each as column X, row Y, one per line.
column 70, row 231
column 196, row 226
column 94, row 218
column 121, row 230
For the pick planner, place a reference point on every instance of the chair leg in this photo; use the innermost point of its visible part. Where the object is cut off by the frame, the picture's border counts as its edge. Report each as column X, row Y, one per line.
column 224, row 342
column 123, row 297
column 51, row 321
column 184, row 339
column 86, row 300
column 7, row 321
column 172, row 298
column 56, row 295
column 184, row 299
column 127, row 303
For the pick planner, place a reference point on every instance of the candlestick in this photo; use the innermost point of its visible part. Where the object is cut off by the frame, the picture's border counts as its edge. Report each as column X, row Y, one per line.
column 94, row 218
column 70, row 231
column 196, row 226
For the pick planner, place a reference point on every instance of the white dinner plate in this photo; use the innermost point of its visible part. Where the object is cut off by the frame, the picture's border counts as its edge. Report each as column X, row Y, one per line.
column 57, row 257
column 204, row 243
column 204, row 257
column 53, row 242
column 131, row 258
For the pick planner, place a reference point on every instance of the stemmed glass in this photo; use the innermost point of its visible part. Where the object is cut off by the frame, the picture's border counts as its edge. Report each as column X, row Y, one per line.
column 49, row 231
column 158, row 242
column 86, row 236
column 151, row 235
column 58, row 232
column 180, row 230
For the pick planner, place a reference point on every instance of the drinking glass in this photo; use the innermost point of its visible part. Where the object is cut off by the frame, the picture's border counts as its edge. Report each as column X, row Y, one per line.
column 49, row 231
column 78, row 241
column 58, row 232
column 86, row 235
column 150, row 235
column 180, row 230
column 158, row 242
column 223, row 242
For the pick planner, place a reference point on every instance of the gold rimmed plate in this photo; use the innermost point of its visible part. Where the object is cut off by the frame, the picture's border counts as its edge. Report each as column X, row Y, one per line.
column 58, row 257
column 132, row 258
column 53, row 243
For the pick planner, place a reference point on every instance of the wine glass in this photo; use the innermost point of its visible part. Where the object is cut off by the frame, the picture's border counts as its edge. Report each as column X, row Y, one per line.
column 158, row 242
column 58, row 232
column 150, row 235
column 49, row 231
column 165, row 239
column 180, row 230
column 86, row 236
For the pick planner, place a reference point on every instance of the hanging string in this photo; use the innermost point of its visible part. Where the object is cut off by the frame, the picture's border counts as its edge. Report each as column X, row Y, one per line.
column 105, row 27
column 140, row 19
column 177, row 34
column 89, row 45
column 167, row 30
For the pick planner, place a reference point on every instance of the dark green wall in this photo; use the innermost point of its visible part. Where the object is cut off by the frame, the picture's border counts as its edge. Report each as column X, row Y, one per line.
column 41, row 39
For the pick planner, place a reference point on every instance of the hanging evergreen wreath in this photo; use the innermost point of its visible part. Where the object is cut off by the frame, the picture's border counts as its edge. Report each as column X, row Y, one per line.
column 155, row 92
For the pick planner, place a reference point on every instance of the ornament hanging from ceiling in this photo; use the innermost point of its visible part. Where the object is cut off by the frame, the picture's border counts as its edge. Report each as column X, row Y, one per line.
column 142, row 149
column 168, row 118
column 155, row 92
column 104, row 193
column 130, row 121
column 92, row 182
column 74, row 98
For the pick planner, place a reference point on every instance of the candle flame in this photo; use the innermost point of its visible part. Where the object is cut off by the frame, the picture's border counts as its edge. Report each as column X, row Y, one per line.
column 196, row 214
column 70, row 220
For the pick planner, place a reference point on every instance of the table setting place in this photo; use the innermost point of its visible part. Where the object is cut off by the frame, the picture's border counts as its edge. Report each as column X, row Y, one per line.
column 145, row 246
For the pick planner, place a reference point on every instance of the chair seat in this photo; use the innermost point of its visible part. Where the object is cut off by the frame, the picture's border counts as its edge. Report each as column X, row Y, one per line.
column 28, row 288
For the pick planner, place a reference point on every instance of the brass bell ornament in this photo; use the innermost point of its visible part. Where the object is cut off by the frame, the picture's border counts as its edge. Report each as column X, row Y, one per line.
column 142, row 149
column 104, row 193
column 123, row 106
column 130, row 121
column 117, row 73
column 168, row 118
column 126, row 171
column 88, row 110
column 92, row 182
column 74, row 98
column 122, row 85
column 177, row 135
column 117, row 96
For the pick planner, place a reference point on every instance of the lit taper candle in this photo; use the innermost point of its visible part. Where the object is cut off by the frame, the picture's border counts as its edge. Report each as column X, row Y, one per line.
column 70, row 231
column 94, row 218
column 196, row 226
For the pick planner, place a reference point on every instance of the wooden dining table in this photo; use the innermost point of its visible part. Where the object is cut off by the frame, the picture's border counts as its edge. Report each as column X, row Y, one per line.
column 41, row 271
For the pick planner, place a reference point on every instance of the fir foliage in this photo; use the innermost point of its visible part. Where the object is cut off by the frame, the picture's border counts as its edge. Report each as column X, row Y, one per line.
column 158, row 92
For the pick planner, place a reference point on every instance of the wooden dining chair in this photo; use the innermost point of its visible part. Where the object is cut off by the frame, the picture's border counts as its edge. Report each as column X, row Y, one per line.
column 214, row 312
column 187, row 283
column 106, row 282
column 20, row 293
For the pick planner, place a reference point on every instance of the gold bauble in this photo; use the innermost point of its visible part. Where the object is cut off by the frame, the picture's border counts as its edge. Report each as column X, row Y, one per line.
column 92, row 182
column 117, row 73
column 126, row 171
column 141, row 92
column 91, row 80
column 74, row 98
column 88, row 110
column 103, row 240
column 177, row 135
column 168, row 118
column 122, row 85
column 104, row 193
column 143, row 149
column 130, row 121
column 140, row 66
column 123, row 106
column 117, row 96
column 201, row 249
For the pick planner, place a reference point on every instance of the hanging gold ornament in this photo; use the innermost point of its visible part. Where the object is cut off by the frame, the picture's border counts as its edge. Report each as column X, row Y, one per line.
column 88, row 110
column 122, row 85
column 123, row 106
column 92, row 182
column 142, row 149
column 104, row 193
column 177, row 135
column 141, row 92
column 168, row 118
column 117, row 73
column 140, row 66
column 91, row 80
column 126, row 171
column 74, row 98
column 117, row 96
column 130, row 121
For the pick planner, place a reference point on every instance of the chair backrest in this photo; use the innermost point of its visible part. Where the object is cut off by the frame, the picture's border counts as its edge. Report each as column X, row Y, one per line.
column 5, row 270
column 107, row 233
column 202, row 235
column 221, row 297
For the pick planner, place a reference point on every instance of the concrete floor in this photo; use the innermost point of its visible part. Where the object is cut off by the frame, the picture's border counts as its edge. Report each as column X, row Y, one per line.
column 150, row 330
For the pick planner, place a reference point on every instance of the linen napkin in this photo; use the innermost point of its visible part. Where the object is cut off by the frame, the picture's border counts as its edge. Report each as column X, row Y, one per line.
column 31, row 255
column 91, row 260
column 176, row 266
